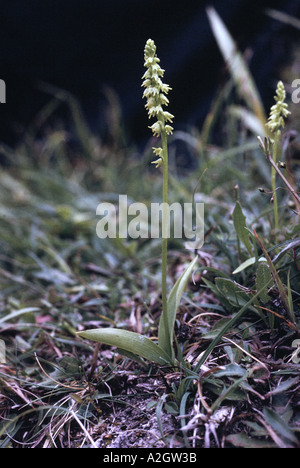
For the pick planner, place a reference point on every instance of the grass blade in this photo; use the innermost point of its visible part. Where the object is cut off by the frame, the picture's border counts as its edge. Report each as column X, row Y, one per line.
column 283, row 17
column 237, row 65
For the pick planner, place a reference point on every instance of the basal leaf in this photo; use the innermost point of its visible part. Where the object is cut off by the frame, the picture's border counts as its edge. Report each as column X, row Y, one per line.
column 263, row 281
column 240, row 226
column 129, row 341
column 279, row 425
column 172, row 306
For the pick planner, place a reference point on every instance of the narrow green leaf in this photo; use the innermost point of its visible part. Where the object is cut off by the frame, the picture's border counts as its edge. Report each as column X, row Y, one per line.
column 244, row 265
column 216, row 329
column 183, row 413
column 290, row 298
column 172, row 306
column 284, row 386
column 231, row 370
column 232, row 291
column 159, row 408
column 243, row 441
column 279, row 425
column 228, row 394
column 130, row 342
column 239, row 222
column 280, row 285
column 263, row 281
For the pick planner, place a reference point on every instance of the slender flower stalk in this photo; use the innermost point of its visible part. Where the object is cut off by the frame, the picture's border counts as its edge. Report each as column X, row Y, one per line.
column 276, row 120
column 155, row 92
column 266, row 146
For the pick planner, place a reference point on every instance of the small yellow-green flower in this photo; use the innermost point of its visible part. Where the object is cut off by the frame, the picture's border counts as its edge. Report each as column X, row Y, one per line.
column 155, row 93
column 157, row 152
column 279, row 111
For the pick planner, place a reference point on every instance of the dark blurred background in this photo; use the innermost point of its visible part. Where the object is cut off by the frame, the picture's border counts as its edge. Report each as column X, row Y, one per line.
column 85, row 45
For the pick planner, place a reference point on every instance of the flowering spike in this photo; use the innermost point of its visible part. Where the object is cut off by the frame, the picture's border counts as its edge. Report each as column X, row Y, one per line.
column 278, row 110
column 155, row 92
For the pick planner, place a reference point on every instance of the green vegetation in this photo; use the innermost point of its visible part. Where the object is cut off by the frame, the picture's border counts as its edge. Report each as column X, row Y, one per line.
column 214, row 363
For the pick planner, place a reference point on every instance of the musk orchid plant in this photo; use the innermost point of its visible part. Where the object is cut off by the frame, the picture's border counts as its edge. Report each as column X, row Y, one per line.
column 128, row 343
column 155, row 93
column 279, row 111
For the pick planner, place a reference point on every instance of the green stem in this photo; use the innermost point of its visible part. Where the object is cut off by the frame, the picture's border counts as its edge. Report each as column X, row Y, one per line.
column 275, row 201
column 289, row 186
column 164, row 238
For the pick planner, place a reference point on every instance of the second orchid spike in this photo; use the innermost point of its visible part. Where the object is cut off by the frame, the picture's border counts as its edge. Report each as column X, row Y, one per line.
column 279, row 111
